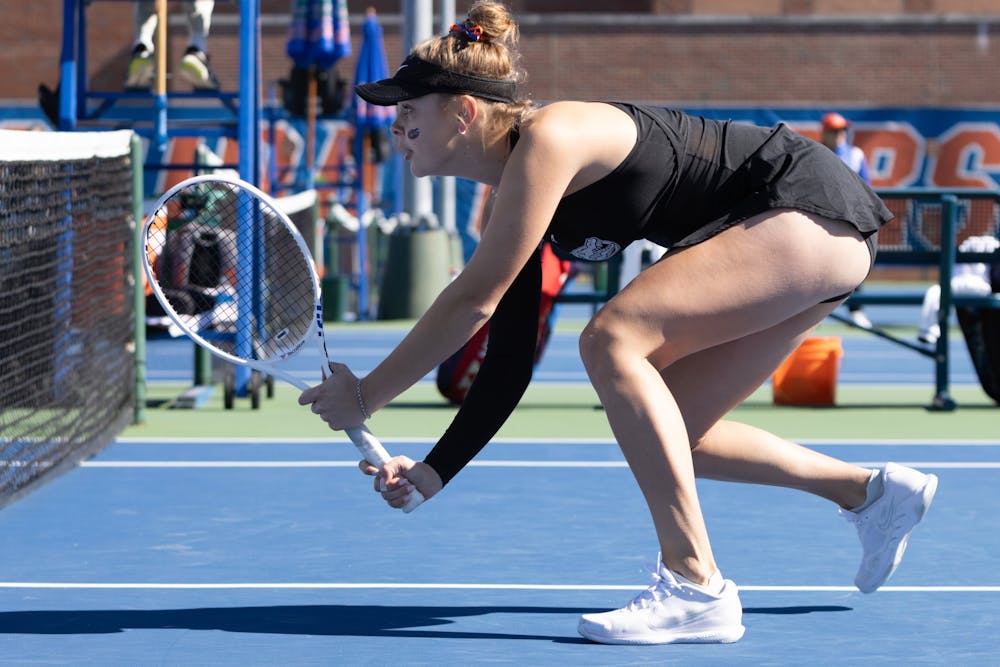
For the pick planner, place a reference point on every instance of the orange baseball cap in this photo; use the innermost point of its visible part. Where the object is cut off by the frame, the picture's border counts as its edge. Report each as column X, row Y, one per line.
column 834, row 121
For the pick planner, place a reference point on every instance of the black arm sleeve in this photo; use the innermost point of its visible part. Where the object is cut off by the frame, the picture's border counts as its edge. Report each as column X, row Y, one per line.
column 502, row 378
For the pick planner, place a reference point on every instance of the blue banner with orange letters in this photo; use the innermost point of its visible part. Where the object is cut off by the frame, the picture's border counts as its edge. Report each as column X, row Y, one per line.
column 906, row 147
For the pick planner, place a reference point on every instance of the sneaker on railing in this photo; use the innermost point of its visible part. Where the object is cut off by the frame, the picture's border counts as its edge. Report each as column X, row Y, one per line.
column 140, row 69
column 859, row 318
column 884, row 526
column 196, row 71
column 670, row 612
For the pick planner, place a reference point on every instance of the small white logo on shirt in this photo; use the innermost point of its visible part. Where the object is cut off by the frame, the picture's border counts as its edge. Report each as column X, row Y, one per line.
column 596, row 250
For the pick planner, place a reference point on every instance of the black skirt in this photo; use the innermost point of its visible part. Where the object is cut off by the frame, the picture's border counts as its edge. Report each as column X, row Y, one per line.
column 781, row 169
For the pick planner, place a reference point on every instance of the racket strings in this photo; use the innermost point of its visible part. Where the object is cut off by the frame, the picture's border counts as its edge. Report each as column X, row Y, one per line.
column 232, row 270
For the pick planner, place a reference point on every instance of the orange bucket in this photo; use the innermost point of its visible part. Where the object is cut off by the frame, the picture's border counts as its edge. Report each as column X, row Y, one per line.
column 809, row 375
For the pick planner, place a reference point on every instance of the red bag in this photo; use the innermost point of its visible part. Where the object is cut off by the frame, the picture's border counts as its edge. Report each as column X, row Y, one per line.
column 456, row 374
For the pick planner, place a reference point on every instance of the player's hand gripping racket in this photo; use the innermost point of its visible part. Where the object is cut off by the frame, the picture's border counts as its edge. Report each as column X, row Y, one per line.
column 233, row 273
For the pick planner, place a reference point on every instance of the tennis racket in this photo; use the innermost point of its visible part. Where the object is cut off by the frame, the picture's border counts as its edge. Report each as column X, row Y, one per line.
column 233, row 273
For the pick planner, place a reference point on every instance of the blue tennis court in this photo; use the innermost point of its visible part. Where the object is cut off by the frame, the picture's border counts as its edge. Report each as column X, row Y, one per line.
column 266, row 550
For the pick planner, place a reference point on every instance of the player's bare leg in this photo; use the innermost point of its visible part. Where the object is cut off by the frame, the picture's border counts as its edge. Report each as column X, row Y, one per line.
column 735, row 452
column 723, row 290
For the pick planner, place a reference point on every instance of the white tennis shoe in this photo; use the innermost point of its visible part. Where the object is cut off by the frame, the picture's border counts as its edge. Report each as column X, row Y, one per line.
column 884, row 526
column 196, row 70
column 670, row 612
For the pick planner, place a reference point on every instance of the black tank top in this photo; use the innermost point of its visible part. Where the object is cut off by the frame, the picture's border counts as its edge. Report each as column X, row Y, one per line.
column 687, row 178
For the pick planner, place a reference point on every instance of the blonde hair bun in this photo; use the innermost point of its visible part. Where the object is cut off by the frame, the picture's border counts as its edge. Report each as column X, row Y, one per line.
column 496, row 22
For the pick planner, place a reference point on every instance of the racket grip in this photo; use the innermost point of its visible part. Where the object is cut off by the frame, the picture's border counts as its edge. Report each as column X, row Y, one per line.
column 373, row 452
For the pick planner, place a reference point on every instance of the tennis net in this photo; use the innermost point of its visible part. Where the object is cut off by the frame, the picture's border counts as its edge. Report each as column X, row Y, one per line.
column 67, row 300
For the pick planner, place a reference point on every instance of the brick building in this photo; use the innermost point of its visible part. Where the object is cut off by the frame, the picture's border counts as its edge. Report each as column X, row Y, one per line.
column 916, row 53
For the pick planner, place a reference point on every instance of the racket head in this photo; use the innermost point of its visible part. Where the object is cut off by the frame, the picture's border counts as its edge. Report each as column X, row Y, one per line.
column 258, row 302
column 262, row 283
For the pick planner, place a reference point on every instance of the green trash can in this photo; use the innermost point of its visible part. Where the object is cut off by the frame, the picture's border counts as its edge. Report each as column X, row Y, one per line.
column 417, row 268
column 334, row 297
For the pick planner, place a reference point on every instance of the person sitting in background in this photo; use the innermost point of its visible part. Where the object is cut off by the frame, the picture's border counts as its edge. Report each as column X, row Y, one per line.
column 834, row 137
column 194, row 65
column 969, row 279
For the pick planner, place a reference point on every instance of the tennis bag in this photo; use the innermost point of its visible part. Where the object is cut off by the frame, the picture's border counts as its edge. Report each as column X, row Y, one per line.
column 981, row 328
column 456, row 374
column 198, row 257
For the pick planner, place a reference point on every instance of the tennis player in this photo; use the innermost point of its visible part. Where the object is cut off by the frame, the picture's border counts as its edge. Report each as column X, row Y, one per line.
column 767, row 232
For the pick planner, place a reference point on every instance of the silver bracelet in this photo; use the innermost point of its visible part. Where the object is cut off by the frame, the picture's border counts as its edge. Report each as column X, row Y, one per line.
column 361, row 402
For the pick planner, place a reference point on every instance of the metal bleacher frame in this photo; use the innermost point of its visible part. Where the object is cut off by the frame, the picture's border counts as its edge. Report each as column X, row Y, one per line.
column 156, row 114
column 153, row 116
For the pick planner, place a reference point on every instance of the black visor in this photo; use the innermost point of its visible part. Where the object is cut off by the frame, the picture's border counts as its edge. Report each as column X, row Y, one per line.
column 416, row 78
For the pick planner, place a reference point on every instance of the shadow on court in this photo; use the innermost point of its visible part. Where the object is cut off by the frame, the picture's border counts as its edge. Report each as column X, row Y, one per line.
column 329, row 620
column 801, row 609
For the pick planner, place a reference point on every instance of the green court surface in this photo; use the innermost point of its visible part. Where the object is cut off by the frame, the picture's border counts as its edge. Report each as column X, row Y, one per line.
column 551, row 410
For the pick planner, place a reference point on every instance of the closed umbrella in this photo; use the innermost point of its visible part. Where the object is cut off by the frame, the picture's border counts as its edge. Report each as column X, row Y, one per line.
column 319, row 35
column 371, row 66
column 370, row 121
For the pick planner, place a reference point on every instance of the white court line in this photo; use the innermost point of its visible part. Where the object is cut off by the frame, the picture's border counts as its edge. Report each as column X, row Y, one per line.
column 335, row 439
column 966, row 465
column 337, row 464
column 453, row 586
column 219, row 464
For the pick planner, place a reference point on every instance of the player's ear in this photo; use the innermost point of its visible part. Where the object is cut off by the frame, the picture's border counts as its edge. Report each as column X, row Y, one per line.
column 467, row 112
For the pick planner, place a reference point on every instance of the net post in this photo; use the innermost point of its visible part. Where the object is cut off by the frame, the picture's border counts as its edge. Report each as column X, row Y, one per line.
column 139, row 294
column 949, row 212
